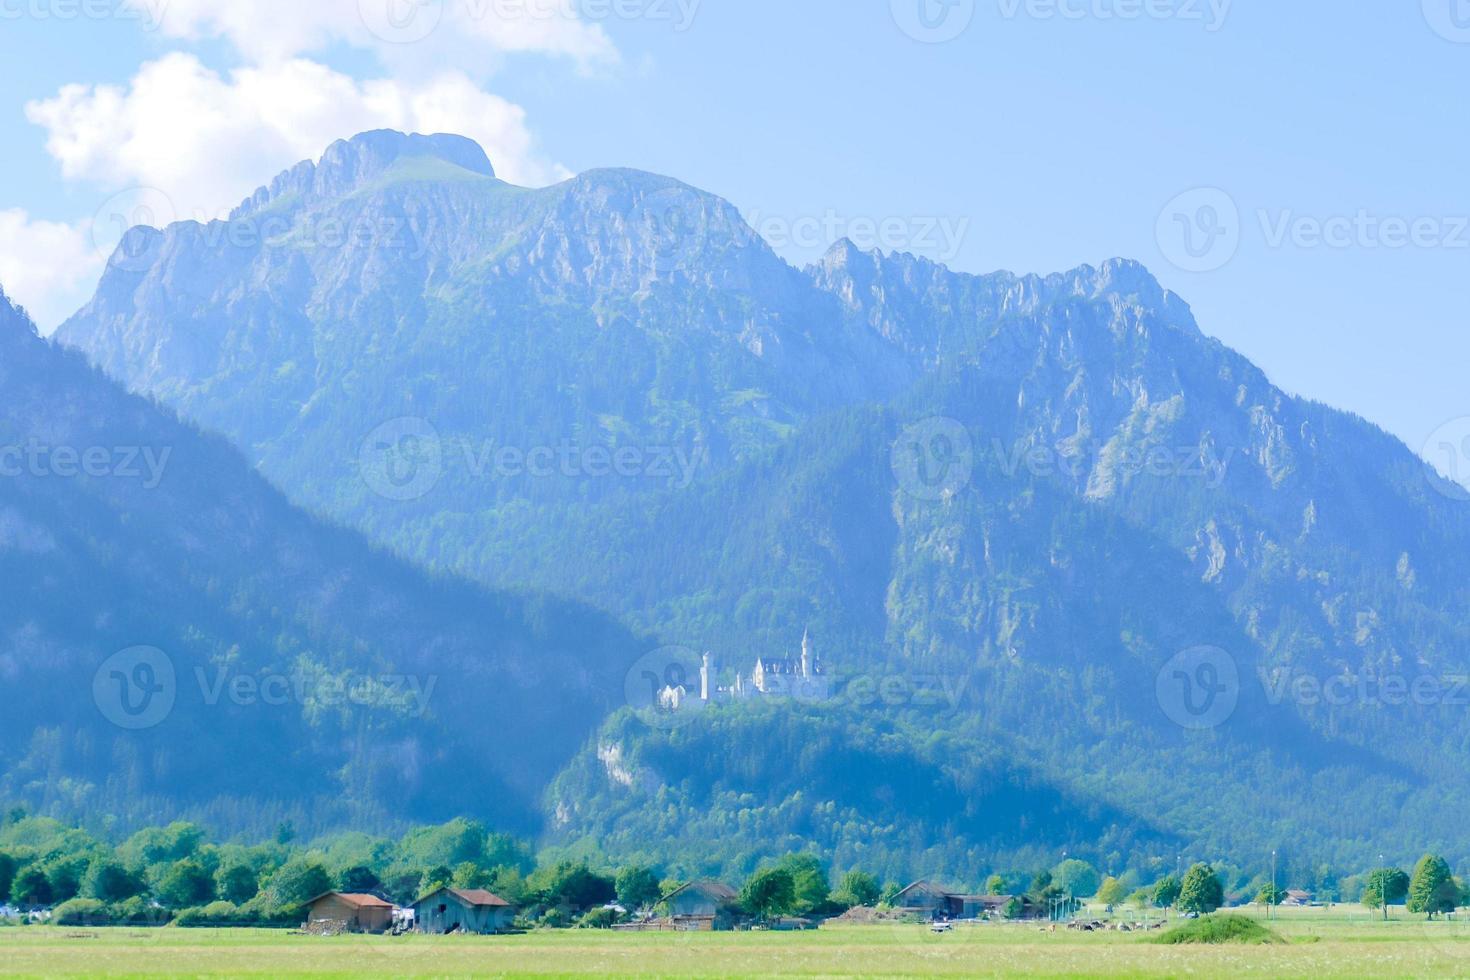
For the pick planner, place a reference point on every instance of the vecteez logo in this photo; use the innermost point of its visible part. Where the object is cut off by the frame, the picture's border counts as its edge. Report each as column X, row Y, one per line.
column 135, row 689
column 401, row 21
column 933, row 459
column 1450, row 19
column 402, row 459
column 1446, row 456
column 663, row 687
column 1198, row 689
column 933, row 21
column 1200, row 230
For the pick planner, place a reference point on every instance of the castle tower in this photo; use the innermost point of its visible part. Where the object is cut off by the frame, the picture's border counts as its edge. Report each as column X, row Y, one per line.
column 807, row 663
column 704, row 678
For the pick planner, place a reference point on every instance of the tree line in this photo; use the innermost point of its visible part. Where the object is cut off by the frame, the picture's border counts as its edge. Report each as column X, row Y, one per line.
column 177, row 873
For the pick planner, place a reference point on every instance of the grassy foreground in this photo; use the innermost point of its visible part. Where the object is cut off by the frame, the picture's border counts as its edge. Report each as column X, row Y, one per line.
column 1319, row 944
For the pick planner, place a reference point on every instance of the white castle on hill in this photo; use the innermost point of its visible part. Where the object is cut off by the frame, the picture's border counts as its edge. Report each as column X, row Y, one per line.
column 803, row 678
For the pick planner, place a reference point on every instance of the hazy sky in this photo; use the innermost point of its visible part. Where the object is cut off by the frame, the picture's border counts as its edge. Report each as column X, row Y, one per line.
column 1297, row 171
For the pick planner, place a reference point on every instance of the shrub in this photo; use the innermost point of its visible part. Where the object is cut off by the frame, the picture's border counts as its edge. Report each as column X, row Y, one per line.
column 1216, row 929
column 215, row 913
column 137, row 911
column 556, row 918
column 81, row 912
column 599, row 919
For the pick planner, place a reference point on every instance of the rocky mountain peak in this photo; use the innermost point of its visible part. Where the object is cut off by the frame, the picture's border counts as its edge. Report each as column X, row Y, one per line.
column 13, row 319
column 349, row 164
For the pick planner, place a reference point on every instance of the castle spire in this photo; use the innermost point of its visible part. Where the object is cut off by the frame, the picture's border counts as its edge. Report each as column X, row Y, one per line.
column 806, row 655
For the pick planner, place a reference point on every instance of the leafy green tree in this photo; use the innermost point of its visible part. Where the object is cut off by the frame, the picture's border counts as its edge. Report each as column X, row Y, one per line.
column 403, row 886
column 1112, row 892
column 31, row 888
column 453, row 843
column 296, row 882
column 1166, row 892
column 1385, row 886
column 810, row 880
column 468, row 874
column 107, row 880
column 65, row 872
column 1014, row 908
column 769, row 892
column 435, row 878
column 237, row 883
column 1269, row 895
column 185, row 884
column 1432, row 889
column 1040, row 883
column 358, row 880
column 638, row 887
column 8, row 867
column 573, row 885
column 1075, row 878
column 1201, row 891
column 996, row 885
column 509, row 884
column 161, row 845
column 858, row 888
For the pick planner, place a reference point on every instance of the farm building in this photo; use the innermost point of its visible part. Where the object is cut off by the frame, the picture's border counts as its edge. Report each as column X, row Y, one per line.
column 462, row 910
column 923, row 897
column 346, row 912
column 926, row 899
column 703, row 905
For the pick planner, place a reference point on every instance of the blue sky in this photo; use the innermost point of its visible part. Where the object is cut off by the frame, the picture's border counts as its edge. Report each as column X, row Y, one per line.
column 1314, row 152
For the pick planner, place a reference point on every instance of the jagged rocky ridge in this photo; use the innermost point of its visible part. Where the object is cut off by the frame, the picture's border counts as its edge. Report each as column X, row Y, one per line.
column 1135, row 487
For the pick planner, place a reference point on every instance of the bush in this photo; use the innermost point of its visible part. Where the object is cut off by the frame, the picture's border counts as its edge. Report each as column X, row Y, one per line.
column 1216, row 929
column 137, row 911
column 81, row 912
column 93, row 912
column 599, row 919
column 213, row 914
column 556, row 918
column 253, row 914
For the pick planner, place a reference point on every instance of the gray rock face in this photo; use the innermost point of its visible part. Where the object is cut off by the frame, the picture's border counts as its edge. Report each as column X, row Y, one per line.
column 349, row 165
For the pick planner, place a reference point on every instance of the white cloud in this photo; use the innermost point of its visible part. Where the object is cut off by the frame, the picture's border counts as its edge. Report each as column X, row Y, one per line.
column 48, row 267
column 450, row 32
column 182, row 141
column 207, row 141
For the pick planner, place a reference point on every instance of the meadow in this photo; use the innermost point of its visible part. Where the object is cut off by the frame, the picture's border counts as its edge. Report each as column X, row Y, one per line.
column 1321, row 943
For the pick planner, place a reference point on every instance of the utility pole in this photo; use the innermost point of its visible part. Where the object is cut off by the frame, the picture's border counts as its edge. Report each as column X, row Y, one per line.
column 1272, row 896
column 1383, row 885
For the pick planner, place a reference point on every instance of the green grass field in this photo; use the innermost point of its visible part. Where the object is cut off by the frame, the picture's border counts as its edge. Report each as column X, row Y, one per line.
column 1320, row 944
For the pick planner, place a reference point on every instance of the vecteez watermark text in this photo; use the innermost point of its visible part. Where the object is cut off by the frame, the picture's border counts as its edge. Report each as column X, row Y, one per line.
column 145, row 464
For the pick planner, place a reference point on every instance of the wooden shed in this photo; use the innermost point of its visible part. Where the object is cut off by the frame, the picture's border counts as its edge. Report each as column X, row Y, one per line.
column 923, row 897
column 347, row 912
column 703, row 905
column 471, row 910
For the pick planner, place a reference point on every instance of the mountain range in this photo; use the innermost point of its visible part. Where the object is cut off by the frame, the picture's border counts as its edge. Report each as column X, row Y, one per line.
column 1053, row 500
column 178, row 638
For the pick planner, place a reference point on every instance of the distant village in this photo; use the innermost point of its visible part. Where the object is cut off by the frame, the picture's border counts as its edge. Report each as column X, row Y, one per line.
column 703, row 906
column 698, row 906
